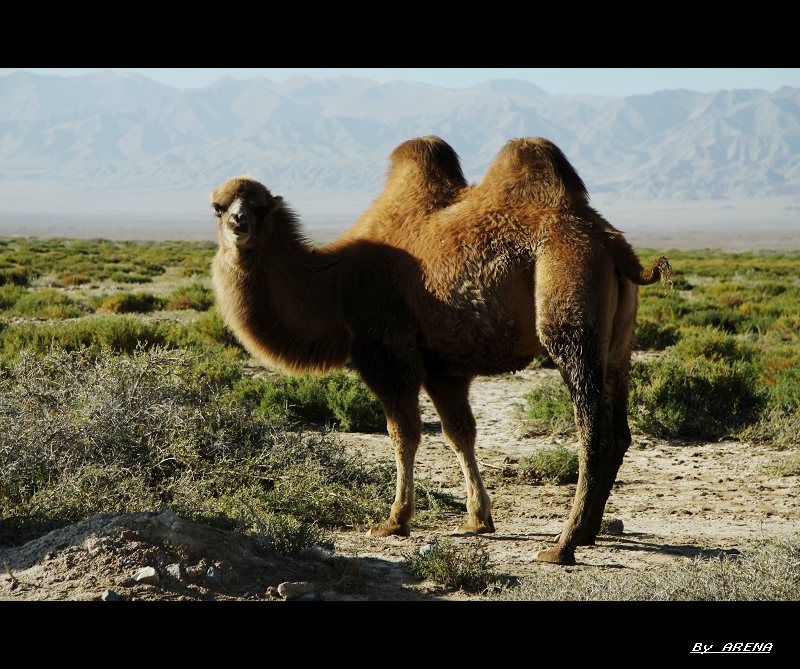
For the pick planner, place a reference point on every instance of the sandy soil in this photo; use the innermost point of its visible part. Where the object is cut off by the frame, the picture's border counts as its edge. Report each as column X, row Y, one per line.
column 676, row 500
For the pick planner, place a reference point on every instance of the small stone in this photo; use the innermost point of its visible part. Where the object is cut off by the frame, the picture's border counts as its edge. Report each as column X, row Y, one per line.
column 175, row 570
column 295, row 590
column 213, row 576
column 614, row 526
column 146, row 575
column 424, row 550
column 110, row 596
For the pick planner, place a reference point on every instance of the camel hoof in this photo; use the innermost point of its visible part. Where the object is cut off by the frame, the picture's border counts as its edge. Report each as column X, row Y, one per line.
column 389, row 529
column 557, row 556
column 477, row 527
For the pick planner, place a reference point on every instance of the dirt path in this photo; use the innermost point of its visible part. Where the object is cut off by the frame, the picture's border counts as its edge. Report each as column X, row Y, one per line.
column 676, row 501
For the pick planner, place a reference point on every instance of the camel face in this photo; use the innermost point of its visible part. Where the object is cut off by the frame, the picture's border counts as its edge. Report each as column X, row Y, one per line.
column 242, row 208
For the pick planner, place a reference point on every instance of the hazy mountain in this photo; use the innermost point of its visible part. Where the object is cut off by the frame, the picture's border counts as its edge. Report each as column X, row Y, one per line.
column 95, row 135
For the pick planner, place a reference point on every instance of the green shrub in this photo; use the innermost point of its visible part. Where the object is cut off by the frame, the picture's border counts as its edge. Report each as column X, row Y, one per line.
column 124, row 303
column 15, row 276
column 129, row 277
column 548, row 409
column 118, row 333
column 10, row 295
column 775, row 427
column 337, row 398
column 653, row 335
column 712, row 344
column 74, row 279
column 46, row 303
column 558, row 465
column 108, row 432
column 463, row 568
column 698, row 398
column 354, row 407
column 289, row 536
column 722, row 319
column 196, row 297
column 210, row 328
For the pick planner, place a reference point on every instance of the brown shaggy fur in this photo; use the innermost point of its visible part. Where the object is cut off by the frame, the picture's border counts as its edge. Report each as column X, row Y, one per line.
column 438, row 282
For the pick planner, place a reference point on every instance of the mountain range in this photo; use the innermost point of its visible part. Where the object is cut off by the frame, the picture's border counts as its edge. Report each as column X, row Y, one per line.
column 106, row 140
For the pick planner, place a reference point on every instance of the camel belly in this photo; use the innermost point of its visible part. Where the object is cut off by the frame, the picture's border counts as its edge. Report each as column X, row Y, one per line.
column 492, row 333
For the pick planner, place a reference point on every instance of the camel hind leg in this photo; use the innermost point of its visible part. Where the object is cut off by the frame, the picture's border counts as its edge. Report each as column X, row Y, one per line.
column 575, row 324
column 616, row 386
column 450, row 396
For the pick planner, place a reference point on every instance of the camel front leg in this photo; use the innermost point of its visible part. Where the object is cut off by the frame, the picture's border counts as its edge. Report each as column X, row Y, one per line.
column 404, row 424
column 450, row 396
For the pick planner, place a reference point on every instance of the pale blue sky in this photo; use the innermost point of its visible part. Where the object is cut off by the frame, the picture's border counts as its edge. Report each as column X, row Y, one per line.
column 597, row 81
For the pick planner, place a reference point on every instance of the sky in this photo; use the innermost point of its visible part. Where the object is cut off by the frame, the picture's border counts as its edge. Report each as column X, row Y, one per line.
column 556, row 81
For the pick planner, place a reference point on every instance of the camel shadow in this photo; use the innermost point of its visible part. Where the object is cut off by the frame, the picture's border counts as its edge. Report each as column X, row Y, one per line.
column 683, row 550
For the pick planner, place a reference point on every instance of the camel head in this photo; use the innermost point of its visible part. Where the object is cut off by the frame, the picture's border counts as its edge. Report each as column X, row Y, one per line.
column 243, row 206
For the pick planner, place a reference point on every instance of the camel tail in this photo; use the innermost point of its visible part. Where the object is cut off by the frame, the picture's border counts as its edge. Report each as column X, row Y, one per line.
column 628, row 264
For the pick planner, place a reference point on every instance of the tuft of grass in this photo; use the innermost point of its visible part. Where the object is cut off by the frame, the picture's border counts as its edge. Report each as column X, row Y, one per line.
column 768, row 572
column 548, row 410
column 125, row 303
column 287, row 535
column 462, row 568
column 788, row 465
column 196, row 296
column 558, row 465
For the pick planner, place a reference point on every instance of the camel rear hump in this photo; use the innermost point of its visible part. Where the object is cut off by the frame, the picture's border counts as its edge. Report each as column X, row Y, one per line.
column 533, row 170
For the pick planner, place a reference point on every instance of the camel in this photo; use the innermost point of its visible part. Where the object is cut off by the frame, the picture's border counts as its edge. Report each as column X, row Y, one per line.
column 438, row 282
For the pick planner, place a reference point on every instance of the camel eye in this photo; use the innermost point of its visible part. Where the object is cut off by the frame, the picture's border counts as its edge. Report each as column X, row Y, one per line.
column 218, row 210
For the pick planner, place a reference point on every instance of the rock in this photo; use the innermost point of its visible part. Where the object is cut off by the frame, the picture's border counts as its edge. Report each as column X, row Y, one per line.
column 213, row 576
column 272, row 592
column 319, row 553
column 295, row 590
column 424, row 550
column 110, row 596
column 614, row 526
column 146, row 575
column 175, row 570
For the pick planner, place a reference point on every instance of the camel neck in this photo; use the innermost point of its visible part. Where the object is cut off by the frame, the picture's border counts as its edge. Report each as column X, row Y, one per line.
column 282, row 303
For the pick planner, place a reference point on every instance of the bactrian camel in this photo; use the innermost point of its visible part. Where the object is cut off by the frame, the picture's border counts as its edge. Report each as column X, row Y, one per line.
column 439, row 282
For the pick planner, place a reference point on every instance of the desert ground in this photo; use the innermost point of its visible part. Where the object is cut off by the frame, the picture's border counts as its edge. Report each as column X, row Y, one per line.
column 677, row 501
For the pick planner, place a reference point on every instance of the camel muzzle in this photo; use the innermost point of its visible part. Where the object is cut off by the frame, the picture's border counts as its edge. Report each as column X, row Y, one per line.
column 239, row 227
